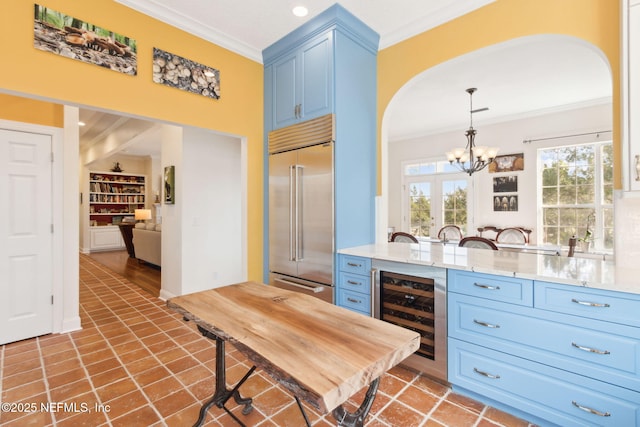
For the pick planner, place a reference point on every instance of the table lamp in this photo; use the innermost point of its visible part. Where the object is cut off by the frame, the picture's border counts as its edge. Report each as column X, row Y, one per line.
column 142, row 215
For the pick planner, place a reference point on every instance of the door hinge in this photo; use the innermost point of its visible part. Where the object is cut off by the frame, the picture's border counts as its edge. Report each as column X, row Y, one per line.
column 51, row 228
column 52, row 157
column 51, row 299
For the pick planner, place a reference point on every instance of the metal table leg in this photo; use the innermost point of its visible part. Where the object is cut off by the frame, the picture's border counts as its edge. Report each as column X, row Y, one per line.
column 222, row 394
column 356, row 419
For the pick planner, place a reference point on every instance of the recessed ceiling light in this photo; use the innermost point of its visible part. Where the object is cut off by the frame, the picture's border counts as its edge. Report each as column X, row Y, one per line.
column 300, row 11
column 81, row 123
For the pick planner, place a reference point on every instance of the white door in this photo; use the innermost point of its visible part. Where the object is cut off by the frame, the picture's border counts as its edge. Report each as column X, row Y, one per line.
column 432, row 201
column 26, row 308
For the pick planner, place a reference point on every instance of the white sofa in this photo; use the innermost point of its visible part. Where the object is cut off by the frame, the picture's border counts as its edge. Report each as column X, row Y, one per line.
column 147, row 242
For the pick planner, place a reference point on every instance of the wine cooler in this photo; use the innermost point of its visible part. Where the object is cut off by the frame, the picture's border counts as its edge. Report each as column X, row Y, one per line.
column 414, row 297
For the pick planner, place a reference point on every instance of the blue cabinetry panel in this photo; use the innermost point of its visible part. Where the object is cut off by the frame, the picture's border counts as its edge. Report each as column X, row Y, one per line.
column 556, row 395
column 610, row 306
column 499, row 288
column 353, row 289
column 566, row 354
column 600, row 350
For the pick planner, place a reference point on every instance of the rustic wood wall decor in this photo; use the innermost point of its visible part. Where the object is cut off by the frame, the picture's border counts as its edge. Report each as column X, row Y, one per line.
column 175, row 71
column 507, row 163
column 73, row 38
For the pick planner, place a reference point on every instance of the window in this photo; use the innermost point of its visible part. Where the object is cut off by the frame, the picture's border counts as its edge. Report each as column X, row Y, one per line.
column 577, row 194
column 434, row 196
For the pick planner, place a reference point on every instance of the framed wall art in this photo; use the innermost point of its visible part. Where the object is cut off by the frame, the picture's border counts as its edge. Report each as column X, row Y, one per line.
column 505, row 203
column 169, row 185
column 507, row 163
column 74, row 38
column 505, row 184
column 184, row 74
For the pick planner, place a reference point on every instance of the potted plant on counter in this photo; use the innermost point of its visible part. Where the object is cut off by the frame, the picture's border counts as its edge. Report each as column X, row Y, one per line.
column 585, row 241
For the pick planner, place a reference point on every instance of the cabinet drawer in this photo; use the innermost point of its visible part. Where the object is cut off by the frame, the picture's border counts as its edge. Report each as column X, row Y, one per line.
column 499, row 288
column 596, row 349
column 354, row 301
column 615, row 307
column 555, row 395
column 355, row 264
column 354, row 282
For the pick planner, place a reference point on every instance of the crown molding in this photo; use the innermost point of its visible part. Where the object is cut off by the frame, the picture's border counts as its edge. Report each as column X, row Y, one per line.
column 425, row 23
column 177, row 19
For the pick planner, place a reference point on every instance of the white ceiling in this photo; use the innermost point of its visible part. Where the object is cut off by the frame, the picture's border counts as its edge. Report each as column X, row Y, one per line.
column 249, row 26
column 517, row 79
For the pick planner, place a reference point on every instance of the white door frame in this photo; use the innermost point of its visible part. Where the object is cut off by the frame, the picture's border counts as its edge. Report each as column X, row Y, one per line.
column 62, row 321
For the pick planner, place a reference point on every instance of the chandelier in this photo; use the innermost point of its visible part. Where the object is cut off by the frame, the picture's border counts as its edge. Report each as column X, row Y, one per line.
column 471, row 158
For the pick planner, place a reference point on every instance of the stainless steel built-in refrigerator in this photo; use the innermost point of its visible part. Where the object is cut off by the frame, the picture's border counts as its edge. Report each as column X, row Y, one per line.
column 301, row 208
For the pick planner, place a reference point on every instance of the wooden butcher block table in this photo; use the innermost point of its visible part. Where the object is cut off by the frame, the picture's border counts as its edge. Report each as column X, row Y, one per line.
column 322, row 353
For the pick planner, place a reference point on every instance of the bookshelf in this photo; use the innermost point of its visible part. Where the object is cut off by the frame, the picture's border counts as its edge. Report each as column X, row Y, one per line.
column 113, row 198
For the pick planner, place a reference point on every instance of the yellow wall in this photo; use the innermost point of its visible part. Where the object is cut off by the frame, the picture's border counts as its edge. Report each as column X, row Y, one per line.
column 35, row 73
column 32, row 111
column 595, row 21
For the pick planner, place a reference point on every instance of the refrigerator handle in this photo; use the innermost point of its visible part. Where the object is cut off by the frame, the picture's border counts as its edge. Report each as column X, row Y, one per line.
column 299, row 239
column 292, row 213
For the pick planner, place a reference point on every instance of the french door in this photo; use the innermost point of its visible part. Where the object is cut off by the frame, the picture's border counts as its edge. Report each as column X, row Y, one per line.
column 432, row 201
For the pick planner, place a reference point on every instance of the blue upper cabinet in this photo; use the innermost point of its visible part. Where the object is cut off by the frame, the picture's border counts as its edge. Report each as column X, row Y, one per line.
column 328, row 65
column 302, row 68
column 303, row 83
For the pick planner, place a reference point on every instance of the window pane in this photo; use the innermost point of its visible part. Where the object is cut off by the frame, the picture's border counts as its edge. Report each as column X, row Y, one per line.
column 550, row 196
column 585, row 194
column 411, row 169
column 454, row 203
column 549, row 177
column 550, row 216
column 420, row 206
column 567, row 195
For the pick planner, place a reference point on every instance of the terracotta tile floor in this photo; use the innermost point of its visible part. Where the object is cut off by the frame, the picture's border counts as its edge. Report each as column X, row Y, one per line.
column 135, row 363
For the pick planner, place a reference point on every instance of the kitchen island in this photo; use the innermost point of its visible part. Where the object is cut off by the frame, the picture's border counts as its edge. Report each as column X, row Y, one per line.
column 551, row 339
column 587, row 272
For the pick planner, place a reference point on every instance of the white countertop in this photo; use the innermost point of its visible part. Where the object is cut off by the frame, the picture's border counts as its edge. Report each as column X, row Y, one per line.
column 592, row 273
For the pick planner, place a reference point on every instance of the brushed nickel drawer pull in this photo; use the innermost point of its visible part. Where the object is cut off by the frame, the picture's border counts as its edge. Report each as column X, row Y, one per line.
column 590, row 350
column 355, row 301
column 486, row 374
column 489, row 287
column 353, row 264
column 352, row 282
column 590, row 304
column 485, row 324
column 590, row 410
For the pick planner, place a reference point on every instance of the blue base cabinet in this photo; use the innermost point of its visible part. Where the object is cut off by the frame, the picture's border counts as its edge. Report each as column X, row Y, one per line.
column 353, row 287
column 563, row 354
